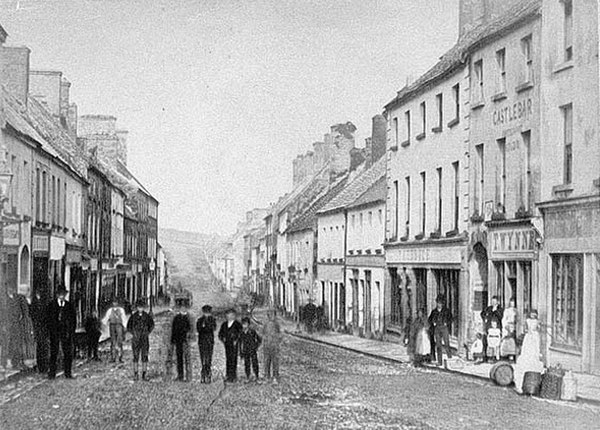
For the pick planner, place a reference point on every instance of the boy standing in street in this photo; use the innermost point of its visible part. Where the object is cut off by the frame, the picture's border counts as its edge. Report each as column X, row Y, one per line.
column 140, row 325
column 115, row 319
column 249, row 343
column 271, row 341
column 206, row 327
column 229, row 334
column 180, row 334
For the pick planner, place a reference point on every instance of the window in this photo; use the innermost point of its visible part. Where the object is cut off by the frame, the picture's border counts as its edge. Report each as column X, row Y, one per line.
column 456, row 193
column 567, row 298
column 501, row 61
column 528, row 55
column 407, row 123
column 423, row 109
column 44, row 198
column 479, row 180
column 439, row 99
column 439, row 199
column 37, row 195
column 448, row 285
column 525, row 267
column 65, row 205
column 526, row 193
column 407, row 232
column 58, row 203
column 478, row 68
column 14, row 194
column 502, row 152
column 568, row 29
column 380, row 215
column 353, row 221
column 456, row 97
column 500, row 281
column 370, row 219
column 567, row 112
column 361, row 220
column 396, row 203
column 423, row 201
column 395, row 121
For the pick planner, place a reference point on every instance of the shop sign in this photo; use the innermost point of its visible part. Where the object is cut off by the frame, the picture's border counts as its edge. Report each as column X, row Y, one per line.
column 429, row 255
column 11, row 235
column 94, row 264
column 519, row 241
column 73, row 256
column 57, row 248
column 40, row 243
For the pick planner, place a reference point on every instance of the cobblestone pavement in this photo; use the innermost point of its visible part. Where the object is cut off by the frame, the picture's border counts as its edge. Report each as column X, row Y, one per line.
column 322, row 387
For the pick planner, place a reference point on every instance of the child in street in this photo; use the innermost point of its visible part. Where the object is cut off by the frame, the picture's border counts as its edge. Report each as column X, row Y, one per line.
column 93, row 328
column 272, row 337
column 181, row 330
column 494, row 337
column 140, row 325
column 249, row 344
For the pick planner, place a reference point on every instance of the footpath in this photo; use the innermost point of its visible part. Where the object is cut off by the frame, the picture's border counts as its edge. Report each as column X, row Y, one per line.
column 588, row 386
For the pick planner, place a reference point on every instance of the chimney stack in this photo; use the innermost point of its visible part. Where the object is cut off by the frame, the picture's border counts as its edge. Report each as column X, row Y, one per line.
column 16, row 71
column 378, row 137
column 122, row 146
column 476, row 12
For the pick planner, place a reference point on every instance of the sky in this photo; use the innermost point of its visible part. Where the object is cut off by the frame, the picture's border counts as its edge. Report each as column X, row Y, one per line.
column 219, row 96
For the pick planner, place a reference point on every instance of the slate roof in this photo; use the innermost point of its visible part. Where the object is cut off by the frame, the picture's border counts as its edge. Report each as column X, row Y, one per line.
column 35, row 122
column 456, row 56
column 357, row 187
column 124, row 170
column 376, row 194
column 308, row 218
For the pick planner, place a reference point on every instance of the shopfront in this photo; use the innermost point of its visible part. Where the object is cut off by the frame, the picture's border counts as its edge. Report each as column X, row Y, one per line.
column 420, row 272
column 571, row 276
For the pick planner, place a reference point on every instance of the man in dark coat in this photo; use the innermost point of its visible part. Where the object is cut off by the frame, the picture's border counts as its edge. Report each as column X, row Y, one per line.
column 441, row 321
column 93, row 331
column 180, row 337
column 140, row 325
column 37, row 310
column 206, row 326
column 493, row 312
column 229, row 334
column 61, row 328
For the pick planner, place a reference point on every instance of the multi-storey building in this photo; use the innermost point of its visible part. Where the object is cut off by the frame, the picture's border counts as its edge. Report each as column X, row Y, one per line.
column 504, row 168
column 569, row 198
column 426, row 243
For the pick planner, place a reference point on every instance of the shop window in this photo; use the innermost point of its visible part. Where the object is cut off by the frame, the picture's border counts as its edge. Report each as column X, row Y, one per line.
column 25, row 266
column 500, row 282
column 527, row 287
column 567, row 300
column 396, row 314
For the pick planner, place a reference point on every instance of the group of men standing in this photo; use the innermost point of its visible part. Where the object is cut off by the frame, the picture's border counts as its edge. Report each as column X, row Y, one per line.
column 238, row 338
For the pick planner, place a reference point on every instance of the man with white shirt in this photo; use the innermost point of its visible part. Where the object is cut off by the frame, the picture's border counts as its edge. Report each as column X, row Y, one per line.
column 116, row 319
column 61, row 328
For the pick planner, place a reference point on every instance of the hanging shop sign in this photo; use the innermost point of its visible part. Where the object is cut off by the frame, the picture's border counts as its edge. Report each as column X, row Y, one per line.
column 513, row 243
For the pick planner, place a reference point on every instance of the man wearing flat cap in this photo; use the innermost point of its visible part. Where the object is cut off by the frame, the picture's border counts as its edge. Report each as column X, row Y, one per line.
column 206, row 326
column 61, row 328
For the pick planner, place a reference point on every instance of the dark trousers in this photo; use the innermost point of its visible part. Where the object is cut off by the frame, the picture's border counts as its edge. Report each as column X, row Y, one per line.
column 206, row 353
column 66, row 345
column 231, row 362
column 41, row 352
column 442, row 334
column 179, row 347
column 92, row 344
column 251, row 359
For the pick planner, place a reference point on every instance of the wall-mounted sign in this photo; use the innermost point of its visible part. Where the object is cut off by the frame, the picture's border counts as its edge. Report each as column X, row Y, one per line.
column 426, row 255
column 513, row 112
column 57, row 248
column 513, row 242
column 11, row 235
column 40, row 243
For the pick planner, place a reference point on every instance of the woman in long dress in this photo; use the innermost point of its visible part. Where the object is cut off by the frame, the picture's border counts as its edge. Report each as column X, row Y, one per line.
column 421, row 347
column 529, row 359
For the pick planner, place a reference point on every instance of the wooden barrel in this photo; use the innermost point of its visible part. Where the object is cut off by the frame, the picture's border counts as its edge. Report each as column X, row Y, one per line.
column 502, row 373
column 531, row 383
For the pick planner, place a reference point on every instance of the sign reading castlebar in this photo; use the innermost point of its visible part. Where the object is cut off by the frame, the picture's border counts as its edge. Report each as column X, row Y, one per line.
column 519, row 111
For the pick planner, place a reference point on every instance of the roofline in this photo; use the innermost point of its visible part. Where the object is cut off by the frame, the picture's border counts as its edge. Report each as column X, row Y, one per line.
column 366, row 204
column 40, row 147
column 3, row 34
column 536, row 14
column 141, row 188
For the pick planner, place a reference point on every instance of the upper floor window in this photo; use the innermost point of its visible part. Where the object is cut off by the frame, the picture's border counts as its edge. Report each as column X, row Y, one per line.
column 567, row 112
column 439, row 100
column 407, row 125
column 395, row 124
column 501, row 62
column 478, row 69
column 526, row 43
column 423, row 109
column 456, row 100
column 568, row 29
